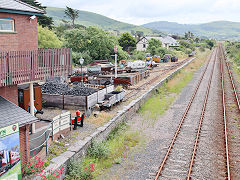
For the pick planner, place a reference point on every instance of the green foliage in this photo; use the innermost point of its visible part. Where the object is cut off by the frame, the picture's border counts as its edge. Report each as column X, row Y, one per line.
column 76, row 171
column 93, row 44
column 98, row 150
column 154, row 46
column 48, row 39
column 233, row 52
column 138, row 55
column 188, row 45
column 127, row 42
column 71, row 14
column 44, row 21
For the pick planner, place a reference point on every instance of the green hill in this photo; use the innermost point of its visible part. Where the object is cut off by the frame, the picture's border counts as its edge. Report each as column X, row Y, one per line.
column 92, row 19
column 219, row 29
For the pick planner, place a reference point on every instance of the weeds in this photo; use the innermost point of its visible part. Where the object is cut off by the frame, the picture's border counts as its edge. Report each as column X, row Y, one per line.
column 104, row 154
column 98, row 150
column 161, row 101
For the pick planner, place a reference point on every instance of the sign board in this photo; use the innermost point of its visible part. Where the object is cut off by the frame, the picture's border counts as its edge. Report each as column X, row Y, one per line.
column 10, row 161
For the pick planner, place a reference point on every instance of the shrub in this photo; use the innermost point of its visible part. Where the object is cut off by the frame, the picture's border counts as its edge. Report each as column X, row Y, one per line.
column 76, row 171
column 98, row 150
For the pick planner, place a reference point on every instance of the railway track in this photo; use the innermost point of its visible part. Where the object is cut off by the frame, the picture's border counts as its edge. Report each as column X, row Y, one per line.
column 133, row 92
column 179, row 159
column 231, row 111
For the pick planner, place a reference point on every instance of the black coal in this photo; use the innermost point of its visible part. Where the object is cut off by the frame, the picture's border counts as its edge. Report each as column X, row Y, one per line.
column 56, row 87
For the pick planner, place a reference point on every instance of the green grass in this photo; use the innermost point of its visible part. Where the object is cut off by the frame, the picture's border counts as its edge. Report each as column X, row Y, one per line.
column 157, row 104
column 162, row 100
column 118, row 144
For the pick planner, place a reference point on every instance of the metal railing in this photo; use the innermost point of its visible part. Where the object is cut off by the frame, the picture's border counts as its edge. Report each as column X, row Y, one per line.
column 49, row 131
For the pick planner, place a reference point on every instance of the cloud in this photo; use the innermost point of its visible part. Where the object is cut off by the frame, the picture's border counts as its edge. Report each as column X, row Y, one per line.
column 142, row 11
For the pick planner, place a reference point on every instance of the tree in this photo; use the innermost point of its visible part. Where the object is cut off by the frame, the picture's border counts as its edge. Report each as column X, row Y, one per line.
column 127, row 42
column 92, row 42
column 44, row 21
column 47, row 38
column 153, row 45
column 72, row 14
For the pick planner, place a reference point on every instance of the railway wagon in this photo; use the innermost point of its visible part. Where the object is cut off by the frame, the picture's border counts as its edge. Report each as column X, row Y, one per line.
column 112, row 98
column 8, row 159
column 135, row 65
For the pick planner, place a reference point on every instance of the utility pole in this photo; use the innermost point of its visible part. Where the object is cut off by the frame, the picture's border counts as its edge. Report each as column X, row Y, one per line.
column 115, row 50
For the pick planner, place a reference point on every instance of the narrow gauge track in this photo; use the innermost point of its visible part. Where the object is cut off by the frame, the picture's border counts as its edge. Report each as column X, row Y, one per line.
column 231, row 110
column 134, row 91
column 178, row 160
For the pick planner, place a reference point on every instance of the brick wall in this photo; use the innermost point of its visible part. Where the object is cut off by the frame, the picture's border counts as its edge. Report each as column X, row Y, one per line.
column 10, row 93
column 24, row 147
column 25, row 36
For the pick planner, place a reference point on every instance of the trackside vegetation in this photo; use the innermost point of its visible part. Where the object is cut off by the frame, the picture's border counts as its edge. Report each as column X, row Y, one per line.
column 167, row 93
column 102, row 155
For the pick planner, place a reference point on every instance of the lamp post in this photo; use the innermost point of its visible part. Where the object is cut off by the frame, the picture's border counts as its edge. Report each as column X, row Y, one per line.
column 115, row 51
column 81, row 60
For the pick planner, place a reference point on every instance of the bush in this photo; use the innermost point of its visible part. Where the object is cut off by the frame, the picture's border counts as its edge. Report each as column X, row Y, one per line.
column 98, row 150
column 77, row 172
column 48, row 39
column 138, row 55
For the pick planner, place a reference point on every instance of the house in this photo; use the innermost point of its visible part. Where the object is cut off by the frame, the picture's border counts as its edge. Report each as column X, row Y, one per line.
column 167, row 42
column 22, row 63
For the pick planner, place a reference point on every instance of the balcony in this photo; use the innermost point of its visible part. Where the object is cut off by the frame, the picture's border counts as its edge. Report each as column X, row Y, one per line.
column 18, row 67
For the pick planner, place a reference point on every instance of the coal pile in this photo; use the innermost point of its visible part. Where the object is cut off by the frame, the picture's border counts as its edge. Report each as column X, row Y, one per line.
column 56, row 87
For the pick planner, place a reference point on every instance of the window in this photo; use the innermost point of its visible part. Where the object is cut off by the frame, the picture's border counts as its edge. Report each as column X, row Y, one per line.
column 144, row 45
column 6, row 25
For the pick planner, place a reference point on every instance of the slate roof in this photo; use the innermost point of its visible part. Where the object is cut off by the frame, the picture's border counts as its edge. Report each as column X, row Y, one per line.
column 165, row 40
column 17, row 5
column 11, row 113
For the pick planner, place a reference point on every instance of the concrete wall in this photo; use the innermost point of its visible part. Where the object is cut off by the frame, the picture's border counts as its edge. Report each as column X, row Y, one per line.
column 25, row 36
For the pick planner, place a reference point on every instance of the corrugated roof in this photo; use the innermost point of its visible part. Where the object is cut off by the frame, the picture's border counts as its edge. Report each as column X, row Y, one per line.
column 11, row 113
column 17, row 5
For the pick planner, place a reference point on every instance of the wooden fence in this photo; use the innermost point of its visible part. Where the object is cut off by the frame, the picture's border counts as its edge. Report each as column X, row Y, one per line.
column 24, row 66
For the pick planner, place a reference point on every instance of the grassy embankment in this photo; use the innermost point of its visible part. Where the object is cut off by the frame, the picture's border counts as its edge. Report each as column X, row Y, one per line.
column 104, row 154
column 161, row 101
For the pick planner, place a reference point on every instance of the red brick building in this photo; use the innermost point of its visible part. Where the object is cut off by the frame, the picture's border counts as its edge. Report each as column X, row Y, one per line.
column 21, row 62
column 18, row 26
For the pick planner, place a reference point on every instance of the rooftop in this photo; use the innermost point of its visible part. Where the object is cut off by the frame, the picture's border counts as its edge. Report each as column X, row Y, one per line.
column 11, row 113
column 19, row 7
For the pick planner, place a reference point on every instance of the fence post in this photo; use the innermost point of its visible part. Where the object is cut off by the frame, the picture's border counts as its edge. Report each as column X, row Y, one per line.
column 52, row 130
column 70, row 121
column 46, row 143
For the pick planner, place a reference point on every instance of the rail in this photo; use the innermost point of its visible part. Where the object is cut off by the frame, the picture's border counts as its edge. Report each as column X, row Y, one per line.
column 24, row 66
column 158, row 174
column 50, row 131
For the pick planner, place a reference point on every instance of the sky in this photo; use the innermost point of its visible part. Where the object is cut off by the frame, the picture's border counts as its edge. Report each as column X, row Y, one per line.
column 139, row 12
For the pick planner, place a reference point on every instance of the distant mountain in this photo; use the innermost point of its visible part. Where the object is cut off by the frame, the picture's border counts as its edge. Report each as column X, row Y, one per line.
column 92, row 19
column 219, row 29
